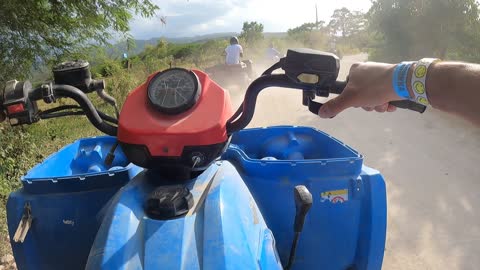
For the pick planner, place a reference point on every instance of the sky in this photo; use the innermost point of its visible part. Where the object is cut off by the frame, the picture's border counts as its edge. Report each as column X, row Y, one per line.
column 187, row 18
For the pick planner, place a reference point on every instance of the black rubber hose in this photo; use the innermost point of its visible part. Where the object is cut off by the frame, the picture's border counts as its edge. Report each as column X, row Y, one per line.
column 55, row 112
column 237, row 113
column 107, row 117
column 36, row 95
column 87, row 106
column 59, row 114
column 61, row 108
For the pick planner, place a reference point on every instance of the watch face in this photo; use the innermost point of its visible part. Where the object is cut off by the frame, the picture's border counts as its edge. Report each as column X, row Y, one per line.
column 174, row 90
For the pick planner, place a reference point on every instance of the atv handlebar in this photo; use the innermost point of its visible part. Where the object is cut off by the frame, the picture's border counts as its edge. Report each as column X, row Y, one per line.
column 312, row 71
column 94, row 116
column 245, row 112
column 21, row 107
column 87, row 107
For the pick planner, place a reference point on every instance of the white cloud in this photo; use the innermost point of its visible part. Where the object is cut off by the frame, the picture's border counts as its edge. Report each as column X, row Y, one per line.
column 196, row 17
column 219, row 22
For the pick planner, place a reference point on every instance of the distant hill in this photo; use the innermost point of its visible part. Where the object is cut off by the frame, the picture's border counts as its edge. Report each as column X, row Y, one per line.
column 140, row 43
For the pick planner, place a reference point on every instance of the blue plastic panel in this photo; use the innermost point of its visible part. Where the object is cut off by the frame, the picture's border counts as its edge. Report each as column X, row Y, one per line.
column 346, row 225
column 66, row 193
column 227, row 231
column 80, row 166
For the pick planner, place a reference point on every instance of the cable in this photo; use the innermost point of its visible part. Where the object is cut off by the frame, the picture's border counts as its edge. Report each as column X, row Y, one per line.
column 59, row 114
column 102, row 115
column 87, row 106
column 61, row 108
column 107, row 117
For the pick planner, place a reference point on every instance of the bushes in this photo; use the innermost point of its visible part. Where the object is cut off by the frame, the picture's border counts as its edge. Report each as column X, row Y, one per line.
column 18, row 153
column 108, row 68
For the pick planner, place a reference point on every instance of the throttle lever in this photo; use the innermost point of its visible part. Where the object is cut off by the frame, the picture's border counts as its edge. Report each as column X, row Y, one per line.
column 313, row 106
column 409, row 105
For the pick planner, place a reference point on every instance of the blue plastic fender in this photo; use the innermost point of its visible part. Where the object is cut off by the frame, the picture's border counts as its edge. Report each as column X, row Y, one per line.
column 226, row 232
column 346, row 226
column 66, row 194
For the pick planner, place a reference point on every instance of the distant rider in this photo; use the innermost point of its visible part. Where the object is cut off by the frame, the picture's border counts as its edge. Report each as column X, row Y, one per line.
column 234, row 52
column 273, row 54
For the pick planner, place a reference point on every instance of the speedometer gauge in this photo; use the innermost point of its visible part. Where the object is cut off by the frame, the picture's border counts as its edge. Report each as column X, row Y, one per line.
column 174, row 90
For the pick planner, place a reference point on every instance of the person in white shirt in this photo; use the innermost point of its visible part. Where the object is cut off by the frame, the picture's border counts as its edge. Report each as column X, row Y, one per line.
column 273, row 54
column 234, row 52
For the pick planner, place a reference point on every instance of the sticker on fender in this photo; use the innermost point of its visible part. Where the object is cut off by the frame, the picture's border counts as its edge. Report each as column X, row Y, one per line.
column 335, row 196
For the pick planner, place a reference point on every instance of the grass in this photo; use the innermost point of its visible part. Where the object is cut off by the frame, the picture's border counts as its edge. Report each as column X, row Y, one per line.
column 26, row 147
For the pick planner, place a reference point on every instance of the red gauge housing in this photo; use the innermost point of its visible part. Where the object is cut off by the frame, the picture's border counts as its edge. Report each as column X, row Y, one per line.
column 189, row 140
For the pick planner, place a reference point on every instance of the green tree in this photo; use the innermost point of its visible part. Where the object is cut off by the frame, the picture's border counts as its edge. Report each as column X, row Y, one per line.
column 339, row 22
column 33, row 31
column 356, row 23
column 409, row 29
column 347, row 23
column 252, row 33
column 308, row 34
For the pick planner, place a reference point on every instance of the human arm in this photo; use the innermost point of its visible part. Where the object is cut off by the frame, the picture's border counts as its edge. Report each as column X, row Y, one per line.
column 452, row 87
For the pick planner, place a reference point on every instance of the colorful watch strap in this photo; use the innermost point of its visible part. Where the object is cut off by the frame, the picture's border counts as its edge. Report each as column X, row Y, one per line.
column 399, row 80
column 419, row 78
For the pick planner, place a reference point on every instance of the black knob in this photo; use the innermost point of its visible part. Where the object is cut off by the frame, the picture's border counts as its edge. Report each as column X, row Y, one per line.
column 168, row 202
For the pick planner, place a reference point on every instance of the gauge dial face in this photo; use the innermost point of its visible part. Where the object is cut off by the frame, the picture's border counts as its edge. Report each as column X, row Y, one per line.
column 174, row 91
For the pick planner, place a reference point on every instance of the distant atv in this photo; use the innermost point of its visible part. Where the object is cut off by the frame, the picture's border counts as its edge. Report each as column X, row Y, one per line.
column 227, row 75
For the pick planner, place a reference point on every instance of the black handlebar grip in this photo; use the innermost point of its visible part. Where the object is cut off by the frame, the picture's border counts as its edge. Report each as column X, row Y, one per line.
column 338, row 87
column 402, row 104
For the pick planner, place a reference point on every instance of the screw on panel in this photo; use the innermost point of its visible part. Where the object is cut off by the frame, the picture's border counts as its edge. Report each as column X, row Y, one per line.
column 196, row 160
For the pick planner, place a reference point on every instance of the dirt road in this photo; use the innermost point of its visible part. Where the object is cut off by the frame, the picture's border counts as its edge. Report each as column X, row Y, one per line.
column 431, row 164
